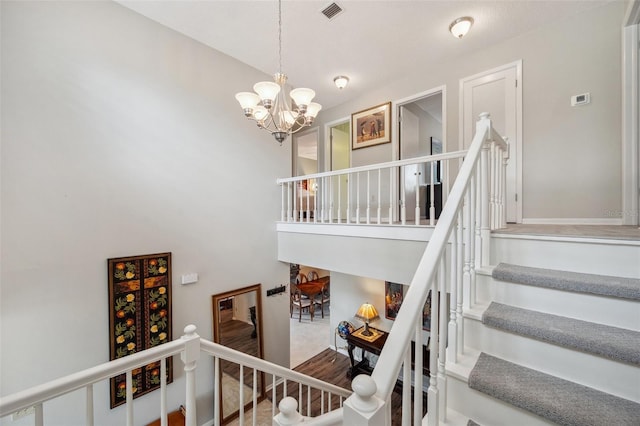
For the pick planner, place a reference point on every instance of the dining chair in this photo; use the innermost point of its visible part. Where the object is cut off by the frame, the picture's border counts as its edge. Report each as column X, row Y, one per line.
column 312, row 275
column 323, row 297
column 297, row 301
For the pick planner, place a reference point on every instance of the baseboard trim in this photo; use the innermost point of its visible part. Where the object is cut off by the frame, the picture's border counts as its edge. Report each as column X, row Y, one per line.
column 572, row 221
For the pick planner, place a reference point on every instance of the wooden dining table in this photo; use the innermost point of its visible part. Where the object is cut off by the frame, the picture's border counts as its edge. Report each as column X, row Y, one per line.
column 311, row 289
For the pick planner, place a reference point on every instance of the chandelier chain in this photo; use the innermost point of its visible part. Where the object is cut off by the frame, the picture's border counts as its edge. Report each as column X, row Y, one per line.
column 280, row 35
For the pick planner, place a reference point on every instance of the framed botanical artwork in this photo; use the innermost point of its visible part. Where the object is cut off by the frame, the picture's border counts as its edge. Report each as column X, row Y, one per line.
column 371, row 126
column 139, row 318
column 393, row 296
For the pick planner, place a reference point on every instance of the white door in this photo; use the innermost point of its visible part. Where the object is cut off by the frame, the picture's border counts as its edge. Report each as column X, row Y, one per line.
column 499, row 93
column 409, row 148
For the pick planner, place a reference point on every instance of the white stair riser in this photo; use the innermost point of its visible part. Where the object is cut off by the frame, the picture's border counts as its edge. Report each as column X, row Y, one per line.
column 616, row 378
column 611, row 311
column 486, row 410
column 578, row 255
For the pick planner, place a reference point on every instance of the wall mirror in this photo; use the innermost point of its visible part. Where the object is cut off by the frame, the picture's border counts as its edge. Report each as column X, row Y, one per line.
column 237, row 324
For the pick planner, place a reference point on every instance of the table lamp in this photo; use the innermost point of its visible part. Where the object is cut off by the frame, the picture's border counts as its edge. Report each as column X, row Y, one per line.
column 367, row 312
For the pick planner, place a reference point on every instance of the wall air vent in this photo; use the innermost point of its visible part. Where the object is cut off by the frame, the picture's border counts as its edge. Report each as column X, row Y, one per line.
column 331, row 11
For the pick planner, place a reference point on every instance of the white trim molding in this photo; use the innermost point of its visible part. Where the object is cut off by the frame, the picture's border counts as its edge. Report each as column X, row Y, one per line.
column 572, row 221
column 630, row 125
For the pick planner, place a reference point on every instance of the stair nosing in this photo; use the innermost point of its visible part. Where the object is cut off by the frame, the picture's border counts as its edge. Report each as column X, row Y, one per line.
column 606, row 341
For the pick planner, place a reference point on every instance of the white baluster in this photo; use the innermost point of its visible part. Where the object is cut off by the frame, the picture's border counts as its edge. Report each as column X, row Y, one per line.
column 379, row 197
column 391, row 203
column 189, row 357
column 331, row 204
column 39, row 415
column 475, row 228
column 89, row 417
column 403, row 212
column 282, row 212
column 254, row 405
column 503, row 198
column 295, row 201
column 406, row 388
column 216, row 390
column 129, row 397
column 368, row 198
column 308, row 401
column 348, row 198
column 163, row 392
column 442, row 333
column 452, row 348
column 274, row 395
column 289, row 212
column 241, row 397
column 321, row 402
column 468, row 238
column 459, row 267
column 432, row 191
column 433, row 391
column 417, row 191
column 358, row 197
column 485, row 233
column 417, row 373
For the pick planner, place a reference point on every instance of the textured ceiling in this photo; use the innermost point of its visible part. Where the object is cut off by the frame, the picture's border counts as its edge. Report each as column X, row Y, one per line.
column 369, row 41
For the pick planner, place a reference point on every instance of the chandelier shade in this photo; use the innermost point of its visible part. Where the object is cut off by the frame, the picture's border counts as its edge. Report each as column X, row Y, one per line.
column 272, row 109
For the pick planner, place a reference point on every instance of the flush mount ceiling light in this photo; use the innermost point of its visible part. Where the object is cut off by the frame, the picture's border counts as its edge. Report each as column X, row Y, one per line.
column 271, row 108
column 341, row 81
column 460, row 27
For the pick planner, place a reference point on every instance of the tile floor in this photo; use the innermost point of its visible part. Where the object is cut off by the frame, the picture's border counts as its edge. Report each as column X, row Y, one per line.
column 308, row 338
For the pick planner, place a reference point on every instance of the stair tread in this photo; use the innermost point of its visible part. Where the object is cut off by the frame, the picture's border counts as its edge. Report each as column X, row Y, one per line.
column 550, row 397
column 610, row 342
column 602, row 285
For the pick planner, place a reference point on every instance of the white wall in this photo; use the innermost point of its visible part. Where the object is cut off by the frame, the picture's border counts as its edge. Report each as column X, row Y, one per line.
column 571, row 156
column 121, row 137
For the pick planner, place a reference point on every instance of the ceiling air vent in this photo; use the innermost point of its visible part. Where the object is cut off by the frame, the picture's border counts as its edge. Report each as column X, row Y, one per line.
column 331, row 11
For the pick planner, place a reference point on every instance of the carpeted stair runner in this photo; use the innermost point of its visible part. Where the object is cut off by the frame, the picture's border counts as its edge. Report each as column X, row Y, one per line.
column 602, row 285
column 610, row 342
column 550, row 397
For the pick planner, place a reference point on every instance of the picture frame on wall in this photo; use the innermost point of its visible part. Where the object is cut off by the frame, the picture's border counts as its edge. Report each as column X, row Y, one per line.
column 393, row 296
column 371, row 126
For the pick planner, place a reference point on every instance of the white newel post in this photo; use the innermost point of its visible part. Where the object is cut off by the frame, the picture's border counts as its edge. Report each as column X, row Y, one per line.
column 484, row 195
column 288, row 414
column 363, row 408
column 190, row 357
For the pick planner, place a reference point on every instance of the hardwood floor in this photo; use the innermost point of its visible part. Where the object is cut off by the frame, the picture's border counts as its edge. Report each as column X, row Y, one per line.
column 332, row 368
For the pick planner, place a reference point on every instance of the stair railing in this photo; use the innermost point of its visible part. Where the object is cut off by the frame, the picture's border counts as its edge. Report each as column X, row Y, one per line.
column 366, row 194
column 190, row 347
column 458, row 246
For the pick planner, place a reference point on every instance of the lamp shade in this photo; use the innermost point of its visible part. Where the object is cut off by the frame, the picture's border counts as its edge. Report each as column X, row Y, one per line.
column 460, row 27
column 313, row 109
column 367, row 312
column 248, row 100
column 260, row 113
column 267, row 90
column 302, row 96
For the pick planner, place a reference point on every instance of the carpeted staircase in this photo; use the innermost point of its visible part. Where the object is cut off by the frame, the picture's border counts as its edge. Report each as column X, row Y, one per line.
column 550, row 397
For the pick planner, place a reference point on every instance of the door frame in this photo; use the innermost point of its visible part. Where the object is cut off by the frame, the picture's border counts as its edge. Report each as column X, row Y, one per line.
column 327, row 140
column 395, row 141
column 631, row 116
column 518, row 66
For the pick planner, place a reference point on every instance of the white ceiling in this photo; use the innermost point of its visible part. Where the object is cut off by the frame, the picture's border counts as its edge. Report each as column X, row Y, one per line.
column 370, row 41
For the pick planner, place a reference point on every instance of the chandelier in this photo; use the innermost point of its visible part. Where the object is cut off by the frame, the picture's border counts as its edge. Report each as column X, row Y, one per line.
column 272, row 109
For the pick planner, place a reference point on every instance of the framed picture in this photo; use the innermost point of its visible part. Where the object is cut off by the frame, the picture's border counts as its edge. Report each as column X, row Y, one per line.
column 393, row 296
column 139, row 318
column 371, row 126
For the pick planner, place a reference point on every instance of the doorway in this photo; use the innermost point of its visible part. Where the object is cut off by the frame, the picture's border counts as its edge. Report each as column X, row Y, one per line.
column 421, row 130
column 305, row 152
column 499, row 92
column 339, row 147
